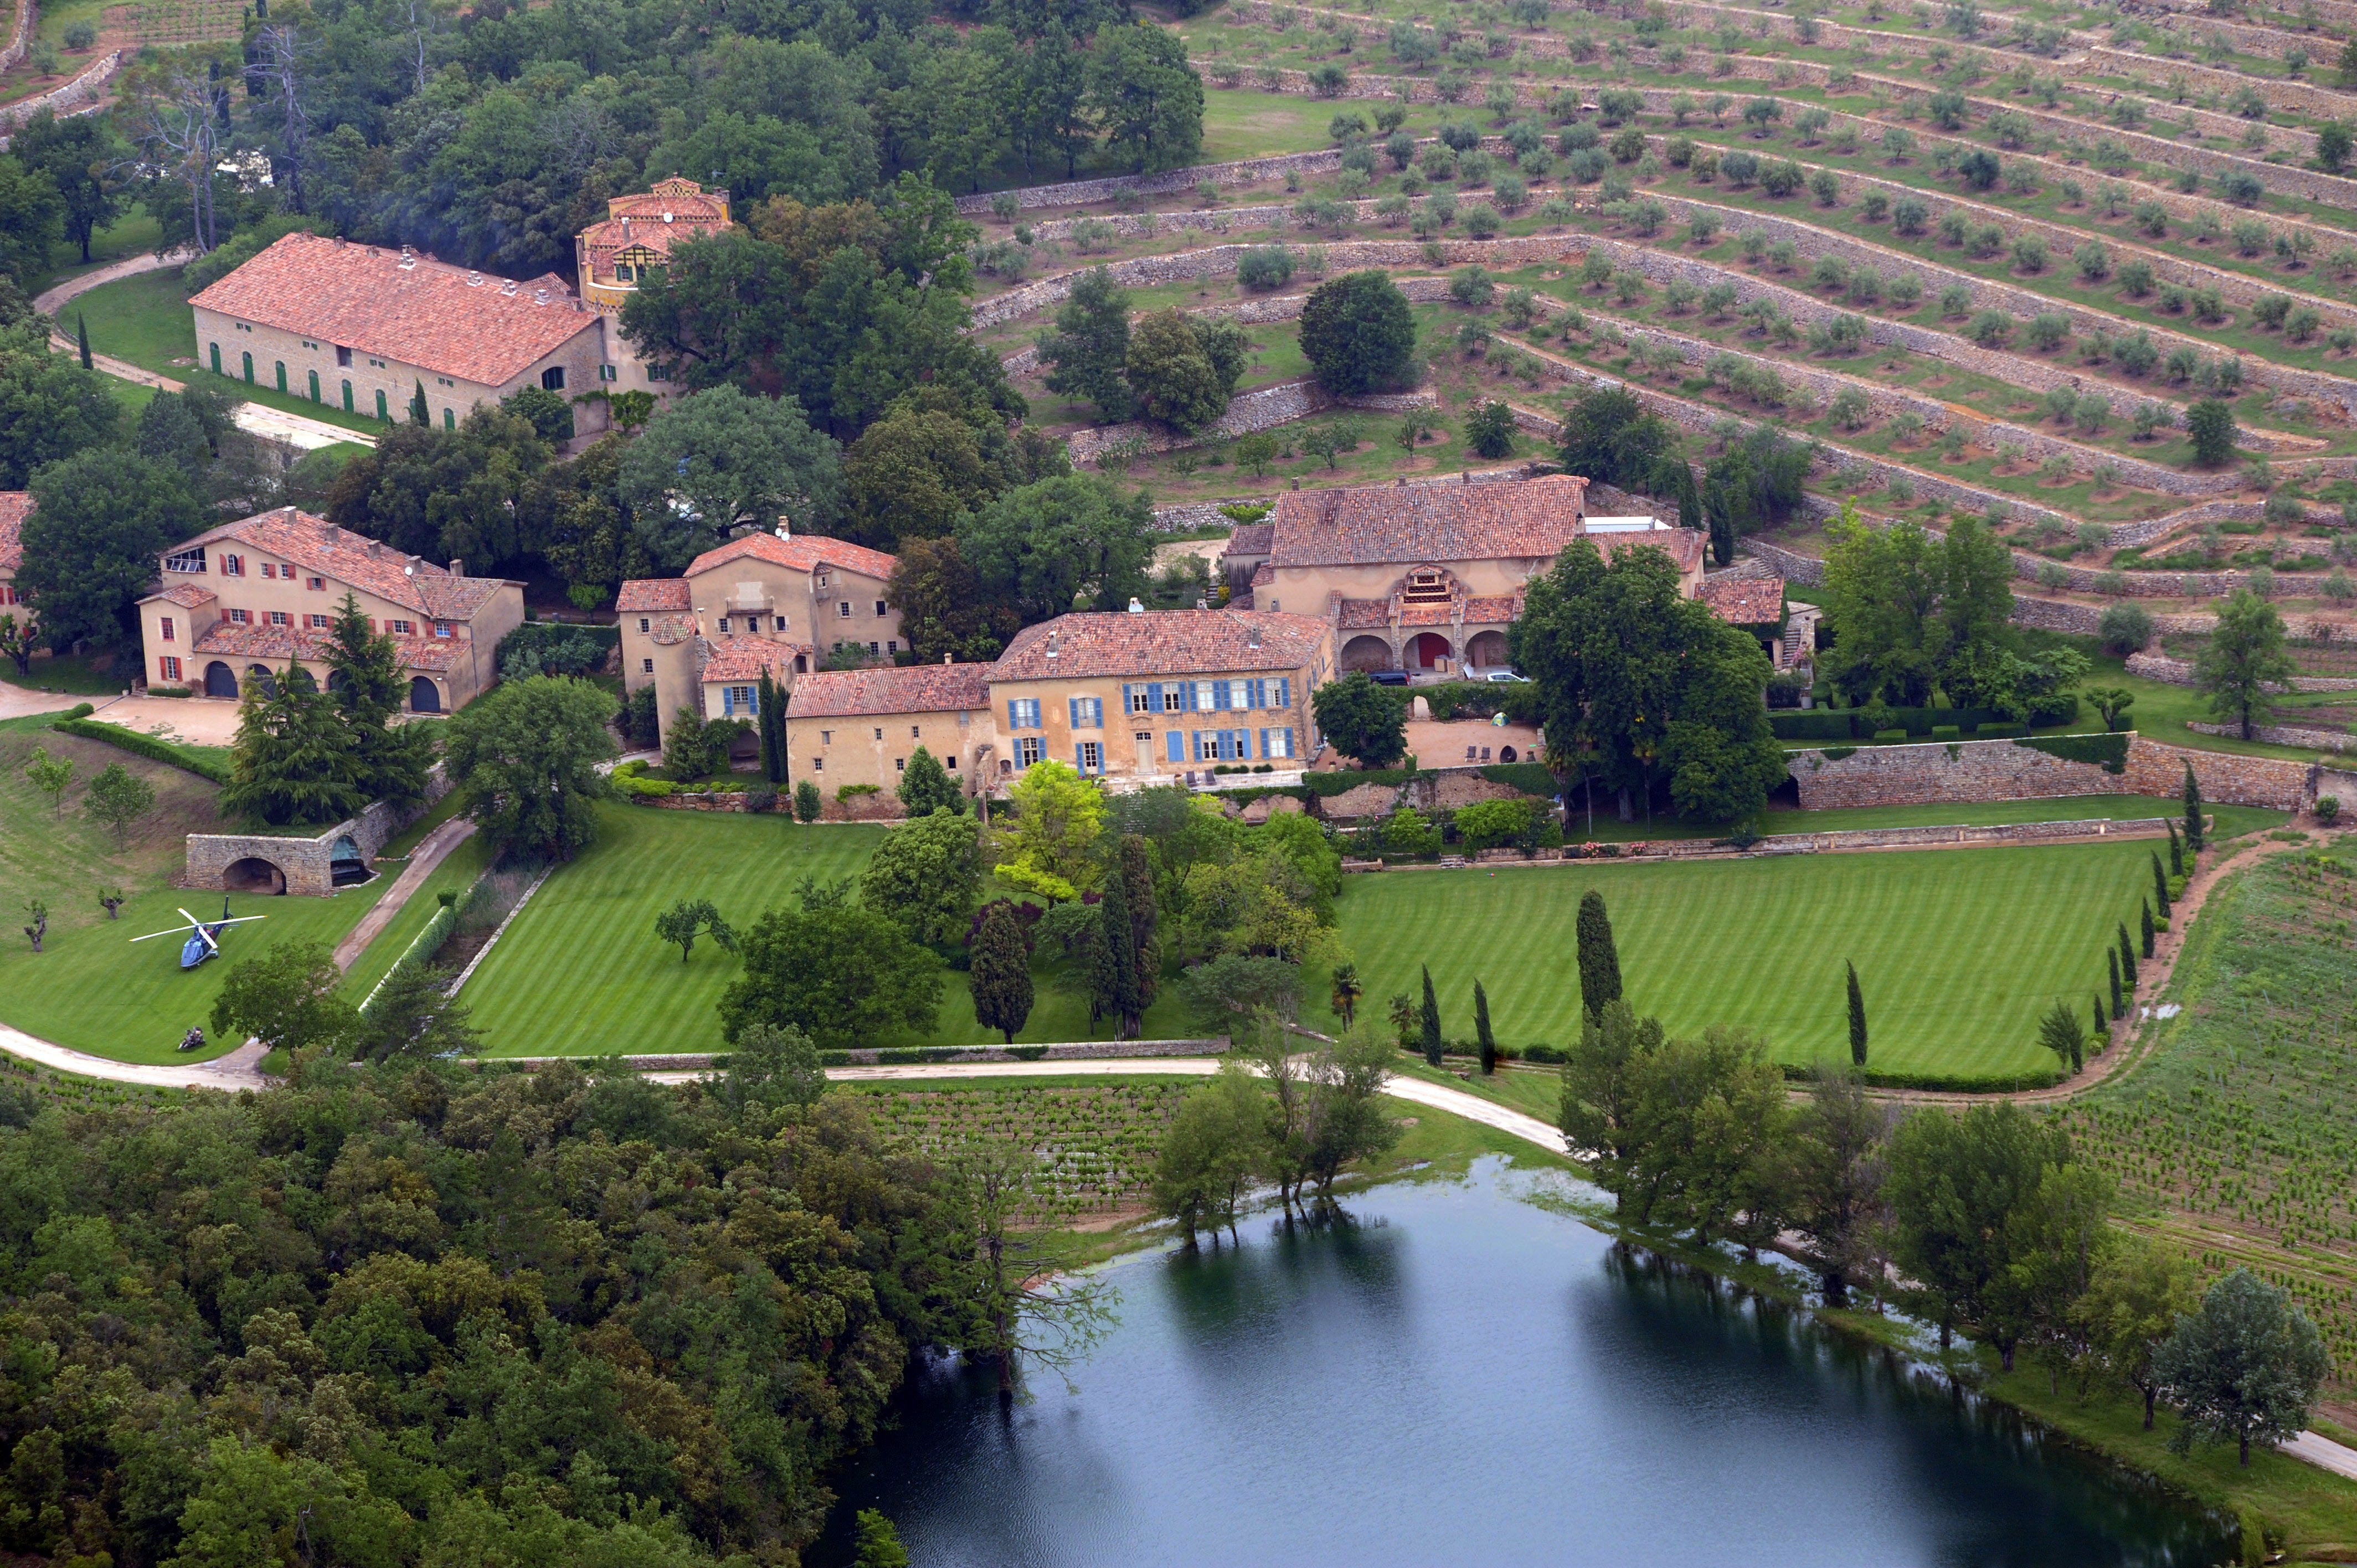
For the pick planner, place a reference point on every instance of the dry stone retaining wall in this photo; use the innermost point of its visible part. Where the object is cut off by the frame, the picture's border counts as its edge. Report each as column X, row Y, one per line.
column 82, row 89
column 20, row 37
column 1962, row 771
column 307, row 863
column 2284, row 735
column 1264, row 409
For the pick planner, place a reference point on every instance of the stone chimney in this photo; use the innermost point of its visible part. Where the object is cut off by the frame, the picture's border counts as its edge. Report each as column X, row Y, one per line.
column 1053, row 648
column 945, row 659
column 785, row 527
column 1252, row 636
column 332, row 534
column 457, row 567
column 372, row 549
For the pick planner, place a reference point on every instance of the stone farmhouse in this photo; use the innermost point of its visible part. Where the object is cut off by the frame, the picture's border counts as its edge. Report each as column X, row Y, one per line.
column 614, row 256
column 15, row 506
column 1426, row 578
column 763, row 601
column 240, row 601
column 1139, row 697
column 361, row 327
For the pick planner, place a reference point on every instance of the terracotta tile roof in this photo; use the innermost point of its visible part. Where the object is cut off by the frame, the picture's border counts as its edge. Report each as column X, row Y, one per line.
column 670, row 211
column 1493, row 608
column 459, row 323
column 1263, row 575
column 1360, row 614
column 1411, row 524
column 15, row 506
column 802, row 553
column 319, row 546
column 274, row 645
column 744, row 658
column 907, row 689
column 641, row 594
column 1745, row 601
column 1160, row 642
column 188, row 595
column 1250, row 538
column 1683, row 545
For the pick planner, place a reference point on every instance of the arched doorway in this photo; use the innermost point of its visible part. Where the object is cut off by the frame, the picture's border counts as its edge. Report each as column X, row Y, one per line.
column 252, row 875
column 301, row 680
column 1428, row 651
column 218, row 680
column 1487, row 651
column 346, row 866
column 1367, row 653
column 258, row 677
column 424, row 697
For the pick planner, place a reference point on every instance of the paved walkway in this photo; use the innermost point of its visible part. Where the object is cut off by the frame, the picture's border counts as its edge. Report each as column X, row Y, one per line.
column 241, row 1068
column 428, row 855
column 18, row 701
column 256, row 419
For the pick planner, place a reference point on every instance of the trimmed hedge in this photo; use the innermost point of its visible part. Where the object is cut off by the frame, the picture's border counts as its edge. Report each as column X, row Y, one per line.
column 2110, row 750
column 1943, row 1082
column 145, row 745
column 1530, row 778
column 1849, row 723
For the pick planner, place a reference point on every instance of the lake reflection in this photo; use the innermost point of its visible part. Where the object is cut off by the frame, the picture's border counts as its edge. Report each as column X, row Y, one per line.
column 1460, row 1377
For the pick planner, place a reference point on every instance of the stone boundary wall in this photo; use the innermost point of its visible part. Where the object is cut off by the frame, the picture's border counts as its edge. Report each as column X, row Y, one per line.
column 1955, row 772
column 1989, row 295
column 305, row 862
column 20, row 35
column 1274, row 307
column 1264, row 409
column 1832, row 842
column 1807, row 309
column 1824, row 385
column 82, row 88
column 2339, row 785
column 1219, row 260
column 1080, row 192
column 2180, row 672
column 2284, row 735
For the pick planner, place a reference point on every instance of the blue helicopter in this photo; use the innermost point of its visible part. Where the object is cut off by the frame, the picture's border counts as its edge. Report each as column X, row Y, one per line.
column 203, row 936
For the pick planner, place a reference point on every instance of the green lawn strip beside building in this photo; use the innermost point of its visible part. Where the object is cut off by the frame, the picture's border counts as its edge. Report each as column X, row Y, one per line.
column 456, row 872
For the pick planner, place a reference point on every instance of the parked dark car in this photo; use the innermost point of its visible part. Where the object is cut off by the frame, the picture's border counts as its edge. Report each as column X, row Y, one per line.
column 1388, row 677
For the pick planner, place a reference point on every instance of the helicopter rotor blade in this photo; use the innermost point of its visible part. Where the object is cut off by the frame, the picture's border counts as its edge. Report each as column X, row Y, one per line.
column 174, row 931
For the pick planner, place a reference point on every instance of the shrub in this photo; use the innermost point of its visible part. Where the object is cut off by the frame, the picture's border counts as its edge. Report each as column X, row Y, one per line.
column 1782, row 178
column 1990, row 329
column 1265, row 266
column 2125, row 629
column 2048, row 331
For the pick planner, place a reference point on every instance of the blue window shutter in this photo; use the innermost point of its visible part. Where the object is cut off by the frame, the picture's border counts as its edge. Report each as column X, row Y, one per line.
column 1284, row 694
column 1244, row 745
column 1073, row 711
column 1176, row 746
column 1128, row 702
column 1257, row 695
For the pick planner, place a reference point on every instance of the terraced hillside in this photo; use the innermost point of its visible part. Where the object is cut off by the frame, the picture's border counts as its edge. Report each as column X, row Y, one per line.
column 1988, row 261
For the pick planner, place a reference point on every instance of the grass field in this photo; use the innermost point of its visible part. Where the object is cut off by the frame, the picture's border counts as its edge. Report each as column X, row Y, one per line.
column 91, row 988
column 580, row 972
column 2230, row 821
column 144, row 319
column 1959, row 950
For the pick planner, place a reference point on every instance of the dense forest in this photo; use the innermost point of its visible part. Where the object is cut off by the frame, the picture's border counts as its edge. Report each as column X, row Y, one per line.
column 413, row 1314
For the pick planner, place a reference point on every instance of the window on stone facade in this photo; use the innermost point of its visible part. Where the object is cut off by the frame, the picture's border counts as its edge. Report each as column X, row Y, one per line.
column 164, row 627
column 280, row 618
column 553, row 379
column 168, row 668
column 1426, row 588
column 318, row 623
column 317, row 585
column 232, row 566
column 239, row 618
column 880, row 610
column 643, row 623
column 441, row 629
column 647, row 666
column 343, row 356
column 402, row 627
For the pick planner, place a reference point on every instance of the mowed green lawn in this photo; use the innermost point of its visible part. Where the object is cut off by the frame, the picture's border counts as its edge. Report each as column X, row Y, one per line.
column 1958, row 950
column 579, row 971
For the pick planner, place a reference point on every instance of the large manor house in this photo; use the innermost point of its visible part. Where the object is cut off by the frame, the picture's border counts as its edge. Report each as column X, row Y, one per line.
column 1404, row 580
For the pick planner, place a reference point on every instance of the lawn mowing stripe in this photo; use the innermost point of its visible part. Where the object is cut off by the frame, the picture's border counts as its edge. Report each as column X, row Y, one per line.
column 1959, row 949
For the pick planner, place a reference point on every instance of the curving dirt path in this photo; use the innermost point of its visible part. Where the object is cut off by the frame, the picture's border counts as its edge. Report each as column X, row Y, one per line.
column 2128, row 1041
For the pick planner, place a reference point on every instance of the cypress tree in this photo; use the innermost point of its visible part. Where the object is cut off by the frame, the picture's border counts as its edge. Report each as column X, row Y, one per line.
column 2147, row 929
column 2176, row 853
column 2103, row 1029
column 1431, row 1021
column 772, row 700
column 2193, row 811
column 81, row 332
column 1000, row 976
column 2112, row 963
column 2128, row 957
column 418, row 412
column 1488, row 1041
column 1856, row 1017
column 1114, row 977
column 1138, row 887
column 1599, row 962
column 2160, row 885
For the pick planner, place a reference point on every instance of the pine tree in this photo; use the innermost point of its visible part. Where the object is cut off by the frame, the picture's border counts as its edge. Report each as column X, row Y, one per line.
column 2193, row 811
column 1488, row 1042
column 1430, row 1021
column 366, row 682
column 2147, row 928
column 1599, row 962
column 2161, row 882
column 1856, row 1017
column 2176, row 853
column 2128, row 958
column 81, row 332
column 1000, row 973
column 293, row 761
column 2112, row 963
column 418, row 413
column 772, row 699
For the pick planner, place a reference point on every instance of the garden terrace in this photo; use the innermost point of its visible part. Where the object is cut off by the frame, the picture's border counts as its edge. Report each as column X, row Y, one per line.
column 1096, row 1142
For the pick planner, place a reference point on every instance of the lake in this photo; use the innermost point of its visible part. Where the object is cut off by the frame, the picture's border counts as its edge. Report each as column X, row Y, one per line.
column 1459, row 1375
